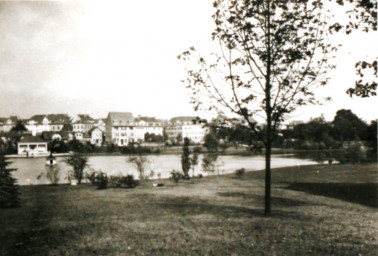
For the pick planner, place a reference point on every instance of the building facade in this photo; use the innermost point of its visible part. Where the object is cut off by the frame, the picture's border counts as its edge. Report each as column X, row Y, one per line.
column 183, row 127
column 32, row 146
column 119, row 128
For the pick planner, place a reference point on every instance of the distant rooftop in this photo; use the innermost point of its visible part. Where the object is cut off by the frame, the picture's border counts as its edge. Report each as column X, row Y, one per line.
column 32, row 139
column 120, row 118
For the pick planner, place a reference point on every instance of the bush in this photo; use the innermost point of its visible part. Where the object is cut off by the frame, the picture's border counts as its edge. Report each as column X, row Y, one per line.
column 197, row 149
column 128, row 181
column 239, row 173
column 354, row 153
column 99, row 179
column 102, row 180
column 176, row 176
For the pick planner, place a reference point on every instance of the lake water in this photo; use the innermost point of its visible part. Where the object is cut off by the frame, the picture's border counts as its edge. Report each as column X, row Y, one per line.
column 33, row 170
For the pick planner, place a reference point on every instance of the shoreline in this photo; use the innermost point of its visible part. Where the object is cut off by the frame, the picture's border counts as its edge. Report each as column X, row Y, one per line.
column 178, row 151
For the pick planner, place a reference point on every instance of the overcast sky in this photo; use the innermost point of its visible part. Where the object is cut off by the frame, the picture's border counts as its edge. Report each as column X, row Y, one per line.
column 99, row 56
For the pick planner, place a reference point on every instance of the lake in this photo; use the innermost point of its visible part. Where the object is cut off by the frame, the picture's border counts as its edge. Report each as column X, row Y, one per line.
column 33, row 170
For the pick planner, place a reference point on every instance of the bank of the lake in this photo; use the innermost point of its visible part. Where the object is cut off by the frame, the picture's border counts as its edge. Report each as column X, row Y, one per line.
column 218, row 215
column 32, row 171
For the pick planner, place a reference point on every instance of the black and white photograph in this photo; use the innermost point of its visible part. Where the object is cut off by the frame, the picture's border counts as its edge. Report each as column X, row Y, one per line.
column 188, row 127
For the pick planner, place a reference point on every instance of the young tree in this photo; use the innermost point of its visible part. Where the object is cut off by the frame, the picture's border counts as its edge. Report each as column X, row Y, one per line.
column 52, row 174
column 140, row 162
column 272, row 55
column 9, row 190
column 185, row 158
column 78, row 162
column 209, row 162
column 211, row 142
column 194, row 162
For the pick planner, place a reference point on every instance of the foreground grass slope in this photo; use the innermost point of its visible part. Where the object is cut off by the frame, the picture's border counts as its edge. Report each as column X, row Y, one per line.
column 210, row 216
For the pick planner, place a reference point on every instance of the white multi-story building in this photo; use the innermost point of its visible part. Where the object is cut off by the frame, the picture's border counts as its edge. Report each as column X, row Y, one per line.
column 194, row 132
column 83, row 123
column 120, row 128
column 186, row 127
column 151, row 125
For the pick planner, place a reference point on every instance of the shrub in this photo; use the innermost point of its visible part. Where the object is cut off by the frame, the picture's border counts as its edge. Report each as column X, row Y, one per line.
column 91, row 176
column 101, row 180
column 128, row 181
column 114, row 181
column 320, row 157
column 239, row 173
column 354, row 153
column 119, row 181
column 197, row 149
column 176, row 176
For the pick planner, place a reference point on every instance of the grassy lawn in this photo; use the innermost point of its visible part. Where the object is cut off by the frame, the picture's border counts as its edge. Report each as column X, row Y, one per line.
column 317, row 210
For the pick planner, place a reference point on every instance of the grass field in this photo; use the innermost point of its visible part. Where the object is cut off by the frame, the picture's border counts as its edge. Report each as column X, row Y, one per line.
column 317, row 210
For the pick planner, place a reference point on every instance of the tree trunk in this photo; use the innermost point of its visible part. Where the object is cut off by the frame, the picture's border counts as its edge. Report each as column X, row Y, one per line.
column 268, row 153
column 268, row 109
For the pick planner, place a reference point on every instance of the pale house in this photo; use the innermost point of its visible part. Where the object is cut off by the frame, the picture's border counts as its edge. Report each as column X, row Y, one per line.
column 100, row 123
column 82, row 123
column 96, row 136
column 149, row 125
column 58, row 121
column 32, row 146
column 186, row 127
column 120, row 128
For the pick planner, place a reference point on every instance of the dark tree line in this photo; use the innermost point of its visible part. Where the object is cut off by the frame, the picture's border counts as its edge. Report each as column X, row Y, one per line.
column 319, row 134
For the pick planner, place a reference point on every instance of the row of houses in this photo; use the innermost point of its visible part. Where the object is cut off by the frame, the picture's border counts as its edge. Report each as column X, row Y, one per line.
column 120, row 128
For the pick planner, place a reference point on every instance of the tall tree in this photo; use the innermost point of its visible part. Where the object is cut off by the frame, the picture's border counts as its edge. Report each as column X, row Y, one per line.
column 272, row 54
column 362, row 16
column 9, row 190
column 185, row 158
column 347, row 126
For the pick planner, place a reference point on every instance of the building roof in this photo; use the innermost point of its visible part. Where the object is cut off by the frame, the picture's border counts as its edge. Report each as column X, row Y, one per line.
column 147, row 119
column 31, row 139
column 94, row 128
column 84, row 119
column 183, row 119
column 120, row 118
column 38, row 118
column 59, row 118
